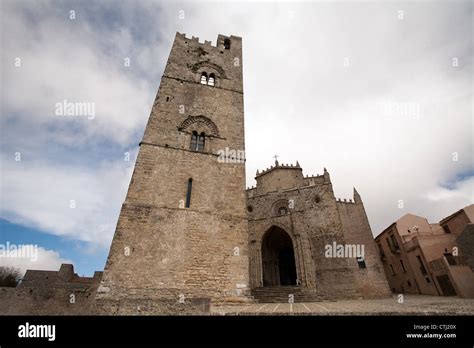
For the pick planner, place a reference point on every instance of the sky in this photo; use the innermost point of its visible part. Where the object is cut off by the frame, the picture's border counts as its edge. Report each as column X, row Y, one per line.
column 379, row 93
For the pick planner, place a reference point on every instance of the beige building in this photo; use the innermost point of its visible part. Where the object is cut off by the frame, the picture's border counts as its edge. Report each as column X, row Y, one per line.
column 432, row 259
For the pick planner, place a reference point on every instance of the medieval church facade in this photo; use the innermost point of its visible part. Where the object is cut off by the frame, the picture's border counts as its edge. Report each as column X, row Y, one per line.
column 189, row 233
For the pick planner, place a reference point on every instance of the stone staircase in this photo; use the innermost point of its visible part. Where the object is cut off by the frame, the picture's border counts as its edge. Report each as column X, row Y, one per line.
column 280, row 294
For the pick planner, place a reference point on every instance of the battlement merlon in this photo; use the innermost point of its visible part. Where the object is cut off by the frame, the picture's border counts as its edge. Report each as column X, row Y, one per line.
column 278, row 166
column 356, row 197
column 220, row 44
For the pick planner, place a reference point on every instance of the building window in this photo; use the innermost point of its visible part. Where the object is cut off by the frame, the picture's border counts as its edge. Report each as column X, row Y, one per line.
column 422, row 266
column 446, row 229
column 282, row 211
column 361, row 262
column 204, row 78
column 227, row 44
column 197, row 141
column 200, row 142
column 394, row 242
column 211, row 80
column 451, row 259
column 409, row 283
column 382, row 254
column 428, row 280
column 208, row 80
column 188, row 193
column 403, row 266
column 194, row 139
column 393, row 271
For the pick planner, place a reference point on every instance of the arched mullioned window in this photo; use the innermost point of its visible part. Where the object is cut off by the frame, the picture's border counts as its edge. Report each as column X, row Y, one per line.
column 201, row 141
column 197, row 141
column 208, row 80
column 212, row 79
column 194, row 140
column 204, row 78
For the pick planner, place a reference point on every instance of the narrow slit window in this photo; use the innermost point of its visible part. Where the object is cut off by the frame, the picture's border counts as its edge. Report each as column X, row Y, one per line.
column 394, row 242
column 227, row 44
column 403, row 266
column 422, row 266
column 188, row 193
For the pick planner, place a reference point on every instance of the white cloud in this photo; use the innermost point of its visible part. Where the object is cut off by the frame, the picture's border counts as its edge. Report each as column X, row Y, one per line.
column 303, row 104
column 461, row 193
column 47, row 260
column 300, row 100
column 78, row 202
column 62, row 59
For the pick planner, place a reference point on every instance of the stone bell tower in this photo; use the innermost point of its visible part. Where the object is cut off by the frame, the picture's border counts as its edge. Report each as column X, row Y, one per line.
column 182, row 231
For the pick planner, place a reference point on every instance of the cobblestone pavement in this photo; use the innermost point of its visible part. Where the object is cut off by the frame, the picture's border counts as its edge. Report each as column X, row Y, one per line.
column 412, row 304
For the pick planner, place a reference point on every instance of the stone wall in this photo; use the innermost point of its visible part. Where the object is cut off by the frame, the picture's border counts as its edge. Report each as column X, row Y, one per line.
column 51, row 293
column 465, row 241
column 370, row 281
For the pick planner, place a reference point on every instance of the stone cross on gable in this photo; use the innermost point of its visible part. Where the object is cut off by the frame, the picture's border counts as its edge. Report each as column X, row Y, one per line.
column 276, row 159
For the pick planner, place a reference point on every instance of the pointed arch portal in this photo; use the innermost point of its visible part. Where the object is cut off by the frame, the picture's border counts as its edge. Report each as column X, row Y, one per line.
column 278, row 258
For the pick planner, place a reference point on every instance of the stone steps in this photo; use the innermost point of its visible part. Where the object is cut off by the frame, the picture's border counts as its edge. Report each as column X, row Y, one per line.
column 280, row 294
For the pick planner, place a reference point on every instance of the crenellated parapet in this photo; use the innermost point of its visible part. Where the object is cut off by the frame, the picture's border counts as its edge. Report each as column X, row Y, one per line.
column 222, row 41
column 356, row 197
column 278, row 166
column 282, row 176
